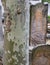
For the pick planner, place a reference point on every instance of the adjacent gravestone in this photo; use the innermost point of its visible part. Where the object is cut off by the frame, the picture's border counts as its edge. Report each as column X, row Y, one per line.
column 41, row 55
column 38, row 23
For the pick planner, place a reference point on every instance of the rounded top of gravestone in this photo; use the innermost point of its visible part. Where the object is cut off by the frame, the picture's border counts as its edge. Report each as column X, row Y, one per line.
column 34, row 2
column 41, row 55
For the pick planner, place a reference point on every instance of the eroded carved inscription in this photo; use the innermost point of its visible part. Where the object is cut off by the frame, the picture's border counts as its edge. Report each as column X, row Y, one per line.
column 38, row 23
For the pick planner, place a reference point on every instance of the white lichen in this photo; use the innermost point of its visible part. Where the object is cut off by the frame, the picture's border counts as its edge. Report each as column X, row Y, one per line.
column 24, row 59
column 9, row 60
column 9, row 52
column 15, row 58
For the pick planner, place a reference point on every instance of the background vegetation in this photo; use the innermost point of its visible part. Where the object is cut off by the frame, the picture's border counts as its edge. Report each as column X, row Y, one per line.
column 46, row 1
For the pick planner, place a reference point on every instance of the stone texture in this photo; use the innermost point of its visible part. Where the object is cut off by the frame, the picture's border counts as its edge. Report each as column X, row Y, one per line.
column 38, row 24
column 16, row 30
column 41, row 55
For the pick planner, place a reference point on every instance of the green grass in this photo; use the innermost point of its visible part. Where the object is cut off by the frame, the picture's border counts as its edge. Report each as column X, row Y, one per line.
column 48, row 18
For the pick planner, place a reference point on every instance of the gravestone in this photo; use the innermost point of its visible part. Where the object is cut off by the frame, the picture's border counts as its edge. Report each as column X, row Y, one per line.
column 38, row 24
column 41, row 55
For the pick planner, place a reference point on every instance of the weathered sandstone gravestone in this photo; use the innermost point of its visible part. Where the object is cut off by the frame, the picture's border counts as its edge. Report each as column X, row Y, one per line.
column 38, row 23
column 41, row 55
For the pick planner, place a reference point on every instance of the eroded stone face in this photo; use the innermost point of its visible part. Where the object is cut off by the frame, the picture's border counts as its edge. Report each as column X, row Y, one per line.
column 38, row 24
column 41, row 61
column 41, row 55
